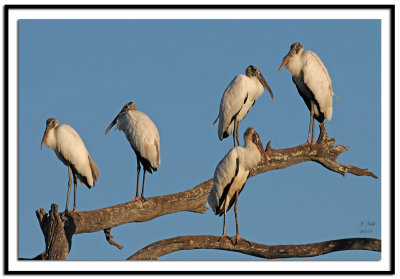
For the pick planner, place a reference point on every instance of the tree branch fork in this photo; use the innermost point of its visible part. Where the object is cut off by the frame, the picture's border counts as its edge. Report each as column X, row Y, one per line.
column 61, row 226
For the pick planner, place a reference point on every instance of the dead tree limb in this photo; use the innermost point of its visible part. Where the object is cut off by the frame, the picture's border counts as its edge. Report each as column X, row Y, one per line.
column 57, row 234
column 167, row 246
column 323, row 152
column 109, row 237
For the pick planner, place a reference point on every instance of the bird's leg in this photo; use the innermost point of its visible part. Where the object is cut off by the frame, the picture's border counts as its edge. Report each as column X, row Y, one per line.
column 137, row 181
column 75, row 186
column 238, row 238
column 313, row 126
column 236, row 218
column 223, row 232
column 69, row 188
column 311, row 118
column 237, row 132
column 144, row 175
column 234, row 133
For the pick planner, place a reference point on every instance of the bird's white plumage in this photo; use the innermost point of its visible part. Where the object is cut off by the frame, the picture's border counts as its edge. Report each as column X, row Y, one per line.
column 308, row 70
column 69, row 148
column 233, row 101
column 248, row 156
column 142, row 134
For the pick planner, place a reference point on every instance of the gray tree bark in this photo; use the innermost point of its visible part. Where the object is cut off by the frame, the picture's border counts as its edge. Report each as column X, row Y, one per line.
column 166, row 246
column 58, row 228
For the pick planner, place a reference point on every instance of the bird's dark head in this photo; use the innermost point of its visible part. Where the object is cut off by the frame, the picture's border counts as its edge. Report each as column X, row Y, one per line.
column 253, row 71
column 251, row 135
column 51, row 123
column 296, row 49
column 129, row 106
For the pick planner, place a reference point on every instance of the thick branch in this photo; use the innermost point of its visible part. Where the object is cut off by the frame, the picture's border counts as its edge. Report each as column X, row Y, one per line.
column 57, row 234
column 194, row 200
column 323, row 152
column 166, row 246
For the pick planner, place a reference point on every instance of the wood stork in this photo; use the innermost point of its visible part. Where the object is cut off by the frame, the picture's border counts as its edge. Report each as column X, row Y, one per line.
column 231, row 174
column 238, row 98
column 71, row 150
column 143, row 136
column 312, row 80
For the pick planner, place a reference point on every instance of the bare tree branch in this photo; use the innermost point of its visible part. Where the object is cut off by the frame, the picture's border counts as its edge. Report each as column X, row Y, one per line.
column 323, row 152
column 167, row 246
column 107, row 233
column 58, row 234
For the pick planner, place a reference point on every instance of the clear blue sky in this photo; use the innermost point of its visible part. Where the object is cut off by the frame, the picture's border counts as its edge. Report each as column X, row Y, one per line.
column 82, row 72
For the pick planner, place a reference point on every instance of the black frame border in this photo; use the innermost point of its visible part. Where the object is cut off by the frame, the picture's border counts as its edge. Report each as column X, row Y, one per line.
column 391, row 8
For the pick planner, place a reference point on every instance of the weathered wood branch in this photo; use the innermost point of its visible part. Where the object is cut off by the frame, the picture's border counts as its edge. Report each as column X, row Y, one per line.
column 109, row 237
column 167, row 246
column 57, row 234
column 323, row 152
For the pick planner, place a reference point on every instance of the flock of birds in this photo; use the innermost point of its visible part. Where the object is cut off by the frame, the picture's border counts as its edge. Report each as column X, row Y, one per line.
column 312, row 81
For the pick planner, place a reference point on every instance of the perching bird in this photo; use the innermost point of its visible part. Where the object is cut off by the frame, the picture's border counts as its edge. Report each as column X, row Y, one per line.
column 313, row 83
column 143, row 136
column 231, row 174
column 238, row 98
column 71, row 150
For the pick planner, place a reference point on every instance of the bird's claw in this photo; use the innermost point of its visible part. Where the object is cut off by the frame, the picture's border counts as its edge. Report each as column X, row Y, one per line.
column 238, row 238
column 224, row 236
column 74, row 211
column 142, row 199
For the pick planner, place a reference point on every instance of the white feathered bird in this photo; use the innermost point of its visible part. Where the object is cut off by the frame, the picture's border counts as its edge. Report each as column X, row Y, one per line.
column 143, row 136
column 71, row 150
column 313, row 83
column 231, row 174
column 238, row 98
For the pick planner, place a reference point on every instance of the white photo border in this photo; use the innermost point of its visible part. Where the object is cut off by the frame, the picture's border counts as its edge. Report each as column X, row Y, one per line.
column 12, row 14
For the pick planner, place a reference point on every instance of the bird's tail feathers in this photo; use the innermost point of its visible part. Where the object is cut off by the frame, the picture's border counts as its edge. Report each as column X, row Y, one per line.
column 95, row 170
column 215, row 121
column 212, row 201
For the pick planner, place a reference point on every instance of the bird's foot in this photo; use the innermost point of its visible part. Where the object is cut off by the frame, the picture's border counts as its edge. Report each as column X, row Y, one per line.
column 74, row 211
column 238, row 238
column 136, row 198
column 224, row 236
column 142, row 199
column 309, row 143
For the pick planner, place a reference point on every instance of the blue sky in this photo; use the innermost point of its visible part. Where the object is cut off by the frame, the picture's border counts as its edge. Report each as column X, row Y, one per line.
column 82, row 72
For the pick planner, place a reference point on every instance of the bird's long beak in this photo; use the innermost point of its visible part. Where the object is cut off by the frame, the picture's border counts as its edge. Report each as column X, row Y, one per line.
column 265, row 84
column 285, row 61
column 262, row 151
column 46, row 132
column 112, row 124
